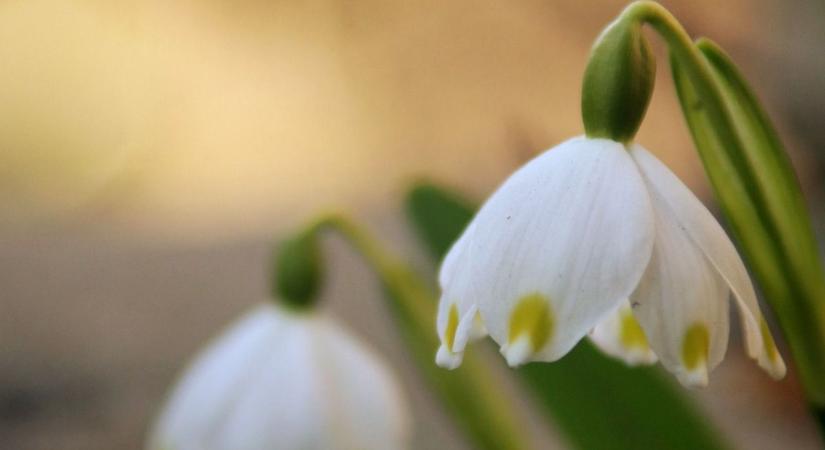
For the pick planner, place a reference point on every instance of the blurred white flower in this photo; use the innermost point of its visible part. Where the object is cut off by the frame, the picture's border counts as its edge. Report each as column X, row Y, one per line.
column 593, row 236
column 279, row 379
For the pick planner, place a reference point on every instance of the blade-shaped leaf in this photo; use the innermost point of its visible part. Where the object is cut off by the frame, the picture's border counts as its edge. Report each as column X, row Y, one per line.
column 762, row 201
column 597, row 402
column 438, row 216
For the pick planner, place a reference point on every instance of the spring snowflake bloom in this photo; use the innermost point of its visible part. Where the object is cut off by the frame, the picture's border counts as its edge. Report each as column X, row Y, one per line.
column 279, row 379
column 595, row 237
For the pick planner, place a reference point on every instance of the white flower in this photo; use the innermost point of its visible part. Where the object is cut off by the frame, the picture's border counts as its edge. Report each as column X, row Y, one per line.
column 595, row 237
column 284, row 380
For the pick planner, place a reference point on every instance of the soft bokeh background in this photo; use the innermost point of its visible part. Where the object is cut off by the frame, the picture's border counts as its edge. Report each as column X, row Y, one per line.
column 151, row 151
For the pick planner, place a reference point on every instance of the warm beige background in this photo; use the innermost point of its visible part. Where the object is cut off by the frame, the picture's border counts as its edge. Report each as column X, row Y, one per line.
column 150, row 151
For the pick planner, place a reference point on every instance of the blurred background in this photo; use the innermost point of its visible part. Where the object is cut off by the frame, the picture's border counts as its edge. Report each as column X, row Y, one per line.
column 151, row 151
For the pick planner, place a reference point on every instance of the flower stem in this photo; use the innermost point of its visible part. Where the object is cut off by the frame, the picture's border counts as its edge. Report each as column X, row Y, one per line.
column 471, row 393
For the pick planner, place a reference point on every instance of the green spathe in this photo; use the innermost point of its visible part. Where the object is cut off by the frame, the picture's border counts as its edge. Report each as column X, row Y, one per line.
column 618, row 82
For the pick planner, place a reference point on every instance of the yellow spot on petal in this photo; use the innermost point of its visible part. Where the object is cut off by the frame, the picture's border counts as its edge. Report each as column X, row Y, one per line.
column 631, row 334
column 767, row 341
column 532, row 316
column 696, row 346
column 452, row 326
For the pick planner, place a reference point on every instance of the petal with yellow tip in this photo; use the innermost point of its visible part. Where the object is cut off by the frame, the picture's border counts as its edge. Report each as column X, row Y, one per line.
column 574, row 226
column 706, row 233
column 679, row 290
column 620, row 335
column 458, row 320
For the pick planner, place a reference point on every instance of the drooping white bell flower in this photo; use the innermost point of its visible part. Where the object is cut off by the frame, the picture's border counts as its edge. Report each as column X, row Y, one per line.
column 279, row 379
column 595, row 237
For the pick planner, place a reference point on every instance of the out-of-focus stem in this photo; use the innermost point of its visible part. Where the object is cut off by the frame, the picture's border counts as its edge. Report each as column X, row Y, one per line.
column 470, row 393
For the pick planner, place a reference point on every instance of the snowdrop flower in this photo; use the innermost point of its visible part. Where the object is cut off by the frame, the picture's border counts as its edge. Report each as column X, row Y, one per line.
column 279, row 379
column 595, row 236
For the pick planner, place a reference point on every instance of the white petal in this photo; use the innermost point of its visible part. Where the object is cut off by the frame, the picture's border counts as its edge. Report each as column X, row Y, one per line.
column 451, row 260
column 708, row 235
column 279, row 405
column 682, row 302
column 620, row 336
column 368, row 406
column 458, row 321
column 304, row 384
column 570, row 232
column 212, row 382
column 324, row 390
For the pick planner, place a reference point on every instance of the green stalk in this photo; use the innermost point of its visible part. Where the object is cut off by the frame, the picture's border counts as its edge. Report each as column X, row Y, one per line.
column 470, row 392
column 756, row 188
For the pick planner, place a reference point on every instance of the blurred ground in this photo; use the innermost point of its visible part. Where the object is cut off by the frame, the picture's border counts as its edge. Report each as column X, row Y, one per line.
column 150, row 151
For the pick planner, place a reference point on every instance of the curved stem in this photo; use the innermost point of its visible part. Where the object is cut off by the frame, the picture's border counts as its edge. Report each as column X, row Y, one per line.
column 682, row 48
column 470, row 393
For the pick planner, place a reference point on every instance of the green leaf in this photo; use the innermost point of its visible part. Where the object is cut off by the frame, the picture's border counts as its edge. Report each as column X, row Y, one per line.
column 762, row 201
column 597, row 402
column 439, row 216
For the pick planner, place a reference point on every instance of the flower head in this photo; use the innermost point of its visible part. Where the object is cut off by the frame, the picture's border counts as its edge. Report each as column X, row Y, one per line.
column 281, row 379
column 597, row 237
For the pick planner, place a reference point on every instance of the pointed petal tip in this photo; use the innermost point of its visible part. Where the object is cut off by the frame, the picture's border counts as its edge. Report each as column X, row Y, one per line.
column 621, row 337
column 775, row 367
column 632, row 357
column 641, row 358
column 518, row 353
column 696, row 378
column 769, row 357
column 447, row 359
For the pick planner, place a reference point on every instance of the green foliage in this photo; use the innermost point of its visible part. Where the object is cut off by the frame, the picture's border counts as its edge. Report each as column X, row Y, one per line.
column 597, row 402
column 761, row 199
column 439, row 216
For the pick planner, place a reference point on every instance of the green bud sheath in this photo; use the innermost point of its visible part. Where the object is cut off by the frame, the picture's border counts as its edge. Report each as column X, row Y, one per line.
column 618, row 82
column 297, row 270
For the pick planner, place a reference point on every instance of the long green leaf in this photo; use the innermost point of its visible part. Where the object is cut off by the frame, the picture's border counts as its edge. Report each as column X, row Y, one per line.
column 762, row 200
column 597, row 402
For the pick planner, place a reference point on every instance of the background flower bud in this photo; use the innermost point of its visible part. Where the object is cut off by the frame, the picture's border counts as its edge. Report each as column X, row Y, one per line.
column 297, row 270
